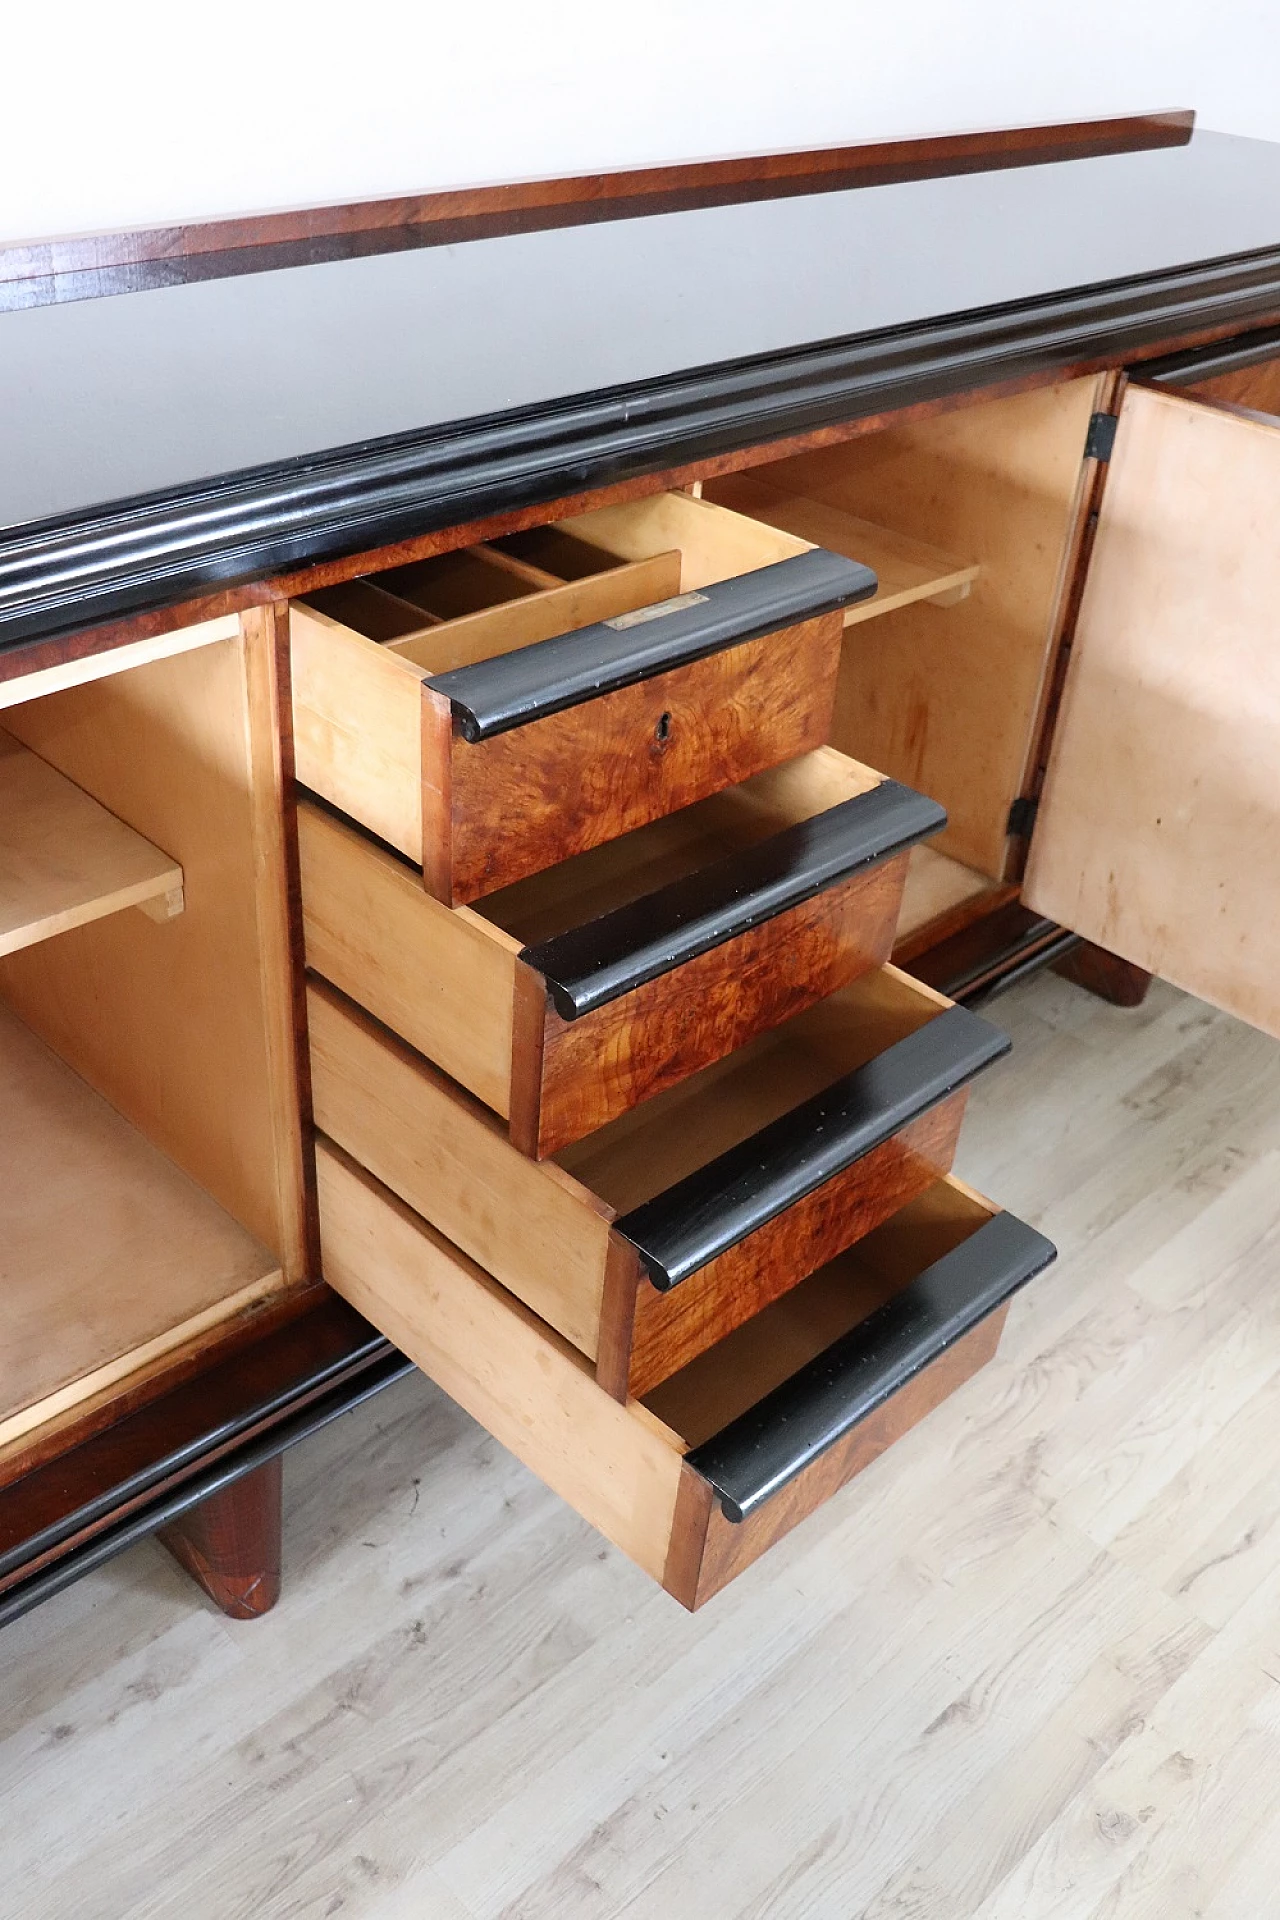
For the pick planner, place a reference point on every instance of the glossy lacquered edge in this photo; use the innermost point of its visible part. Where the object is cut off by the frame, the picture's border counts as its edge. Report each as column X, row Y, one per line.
column 164, row 1508
column 166, row 548
column 753, row 1458
column 90, row 266
column 599, row 961
column 690, row 1224
column 1204, row 363
column 529, row 683
column 194, row 1438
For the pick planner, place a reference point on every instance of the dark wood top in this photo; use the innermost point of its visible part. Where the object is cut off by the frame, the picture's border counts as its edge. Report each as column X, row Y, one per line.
column 165, row 442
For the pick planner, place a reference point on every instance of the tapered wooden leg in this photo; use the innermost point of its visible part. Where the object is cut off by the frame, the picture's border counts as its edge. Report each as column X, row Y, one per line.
column 230, row 1543
column 1105, row 974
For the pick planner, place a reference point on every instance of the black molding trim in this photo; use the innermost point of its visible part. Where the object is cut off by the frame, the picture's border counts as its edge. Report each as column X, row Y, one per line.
column 680, row 1230
column 200, row 1485
column 510, row 690
column 588, row 966
column 170, row 547
column 755, row 1456
column 1224, row 356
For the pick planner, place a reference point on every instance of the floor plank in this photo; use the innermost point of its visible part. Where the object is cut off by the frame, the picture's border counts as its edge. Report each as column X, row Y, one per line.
column 1027, row 1667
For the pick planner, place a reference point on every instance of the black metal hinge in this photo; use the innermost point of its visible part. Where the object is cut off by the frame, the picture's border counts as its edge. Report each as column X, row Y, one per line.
column 1101, row 437
column 1022, row 817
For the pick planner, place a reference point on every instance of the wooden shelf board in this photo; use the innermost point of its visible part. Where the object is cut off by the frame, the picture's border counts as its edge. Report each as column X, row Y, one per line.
column 906, row 569
column 64, row 860
column 939, row 888
column 110, row 1257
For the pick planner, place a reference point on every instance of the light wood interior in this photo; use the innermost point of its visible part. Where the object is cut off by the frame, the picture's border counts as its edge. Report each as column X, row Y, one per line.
column 447, row 1156
column 713, row 544
column 906, row 569
column 948, row 699
column 652, row 856
column 938, row 889
column 24, row 687
column 540, row 616
column 758, row 1356
column 184, row 1026
column 449, row 585
column 110, row 1257
column 654, row 1145
column 64, row 860
column 1159, row 829
column 455, row 608
column 533, row 1391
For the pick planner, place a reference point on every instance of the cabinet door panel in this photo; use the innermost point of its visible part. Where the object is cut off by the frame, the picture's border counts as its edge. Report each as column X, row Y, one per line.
column 1159, row 828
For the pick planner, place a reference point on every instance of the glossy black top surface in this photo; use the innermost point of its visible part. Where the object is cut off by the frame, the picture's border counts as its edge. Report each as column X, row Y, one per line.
column 107, row 399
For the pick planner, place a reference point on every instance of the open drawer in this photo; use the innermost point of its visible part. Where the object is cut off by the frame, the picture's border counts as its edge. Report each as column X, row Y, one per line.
column 1158, row 833
column 492, row 711
column 726, row 1457
column 644, row 1244
column 580, row 993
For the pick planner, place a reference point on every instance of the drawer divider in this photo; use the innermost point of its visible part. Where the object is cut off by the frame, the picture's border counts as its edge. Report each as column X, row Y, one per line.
column 684, row 1228
column 599, row 961
column 752, row 1458
column 490, row 697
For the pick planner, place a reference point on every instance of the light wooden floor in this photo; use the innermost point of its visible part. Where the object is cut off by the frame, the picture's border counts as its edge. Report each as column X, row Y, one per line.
column 1027, row 1666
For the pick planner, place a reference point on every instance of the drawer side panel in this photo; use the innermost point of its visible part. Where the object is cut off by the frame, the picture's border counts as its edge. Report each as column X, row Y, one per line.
column 534, row 1394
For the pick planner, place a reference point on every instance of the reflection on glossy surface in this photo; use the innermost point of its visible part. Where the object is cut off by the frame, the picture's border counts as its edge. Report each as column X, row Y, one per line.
column 104, row 399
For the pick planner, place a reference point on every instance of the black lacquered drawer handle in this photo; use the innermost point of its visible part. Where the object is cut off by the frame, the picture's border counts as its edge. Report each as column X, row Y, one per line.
column 755, row 1456
column 716, row 1206
column 511, row 689
column 604, row 958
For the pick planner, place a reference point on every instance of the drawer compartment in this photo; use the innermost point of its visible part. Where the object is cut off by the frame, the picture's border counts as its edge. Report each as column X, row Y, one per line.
column 646, row 1243
column 729, row 1455
column 580, row 993
column 493, row 711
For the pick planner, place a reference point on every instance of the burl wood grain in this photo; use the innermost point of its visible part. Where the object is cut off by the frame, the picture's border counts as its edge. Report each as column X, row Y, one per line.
column 530, row 798
column 707, row 1551
column 670, row 1329
column 231, row 1543
column 589, row 1070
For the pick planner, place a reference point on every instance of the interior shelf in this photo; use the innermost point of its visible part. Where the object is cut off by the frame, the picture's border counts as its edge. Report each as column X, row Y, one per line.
column 64, row 860
column 906, row 569
column 110, row 1257
column 940, row 889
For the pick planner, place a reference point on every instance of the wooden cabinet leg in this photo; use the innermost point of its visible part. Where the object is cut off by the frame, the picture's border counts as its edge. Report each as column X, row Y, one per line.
column 230, row 1543
column 1105, row 974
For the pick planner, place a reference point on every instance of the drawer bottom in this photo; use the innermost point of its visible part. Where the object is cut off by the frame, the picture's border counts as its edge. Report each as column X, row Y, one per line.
column 704, row 1475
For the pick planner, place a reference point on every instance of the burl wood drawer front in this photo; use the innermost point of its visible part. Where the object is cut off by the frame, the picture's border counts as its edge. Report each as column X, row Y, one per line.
column 698, row 1480
column 646, row 1243
column 586, row 991
column 540, row 715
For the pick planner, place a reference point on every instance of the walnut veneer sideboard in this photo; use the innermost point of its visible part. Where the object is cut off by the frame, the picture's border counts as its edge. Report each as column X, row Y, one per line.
column 529, row 720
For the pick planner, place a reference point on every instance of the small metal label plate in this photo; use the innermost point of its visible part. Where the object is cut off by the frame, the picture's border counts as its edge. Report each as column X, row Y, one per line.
column 658, row 611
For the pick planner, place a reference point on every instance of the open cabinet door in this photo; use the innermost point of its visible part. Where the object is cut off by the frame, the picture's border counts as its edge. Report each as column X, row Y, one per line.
column 1158, row 834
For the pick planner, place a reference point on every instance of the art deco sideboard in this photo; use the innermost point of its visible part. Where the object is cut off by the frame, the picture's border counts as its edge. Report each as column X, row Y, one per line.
column 531, row 718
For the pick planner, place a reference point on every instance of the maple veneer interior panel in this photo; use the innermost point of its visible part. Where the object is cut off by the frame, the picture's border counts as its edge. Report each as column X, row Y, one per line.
column 110, row 1256
column 65, row 860
column 946, row 697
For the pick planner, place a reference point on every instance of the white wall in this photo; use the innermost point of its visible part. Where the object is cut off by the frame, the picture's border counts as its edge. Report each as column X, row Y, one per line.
column 129, row 112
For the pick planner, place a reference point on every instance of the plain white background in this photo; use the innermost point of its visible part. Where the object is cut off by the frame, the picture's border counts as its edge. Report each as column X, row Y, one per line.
column 149, row 110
